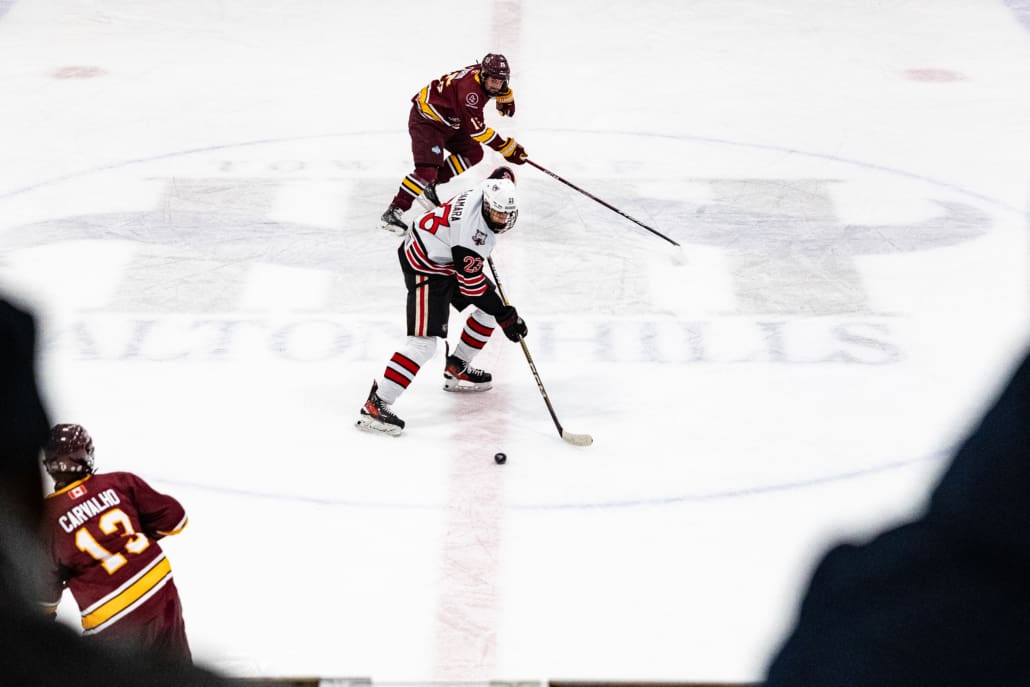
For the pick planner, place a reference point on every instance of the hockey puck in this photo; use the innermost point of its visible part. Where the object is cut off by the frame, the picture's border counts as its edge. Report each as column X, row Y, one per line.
column 500, row 458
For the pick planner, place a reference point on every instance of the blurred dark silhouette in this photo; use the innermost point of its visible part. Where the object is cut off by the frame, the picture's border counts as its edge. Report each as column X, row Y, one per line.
column 943, row 600
column 34, row 650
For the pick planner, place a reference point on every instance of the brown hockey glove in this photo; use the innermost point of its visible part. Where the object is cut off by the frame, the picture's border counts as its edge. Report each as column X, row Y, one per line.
column 513, row 152
column 506, row 103
column 513, row 325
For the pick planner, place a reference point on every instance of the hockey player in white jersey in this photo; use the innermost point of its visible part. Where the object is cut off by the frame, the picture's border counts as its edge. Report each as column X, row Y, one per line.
column 443, row 256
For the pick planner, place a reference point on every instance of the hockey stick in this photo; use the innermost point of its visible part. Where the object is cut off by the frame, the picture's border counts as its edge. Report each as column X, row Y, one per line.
column 575, row 439
column 607, row 205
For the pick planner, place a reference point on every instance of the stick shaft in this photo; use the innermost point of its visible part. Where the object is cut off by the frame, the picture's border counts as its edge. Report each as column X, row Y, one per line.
column 595, row 198
column 529, row 358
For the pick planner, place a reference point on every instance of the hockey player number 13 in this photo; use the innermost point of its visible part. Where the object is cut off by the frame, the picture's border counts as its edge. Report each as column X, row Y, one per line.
column 110, row 522
column 432, row 221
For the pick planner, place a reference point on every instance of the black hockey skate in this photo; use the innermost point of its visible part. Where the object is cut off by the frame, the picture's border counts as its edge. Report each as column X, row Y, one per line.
column 430, row 195
column 391, row 221
column 458, row 375
column 376, row 416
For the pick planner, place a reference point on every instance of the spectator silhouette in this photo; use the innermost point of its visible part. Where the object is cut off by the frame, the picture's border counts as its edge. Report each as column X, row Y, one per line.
column 942, row 600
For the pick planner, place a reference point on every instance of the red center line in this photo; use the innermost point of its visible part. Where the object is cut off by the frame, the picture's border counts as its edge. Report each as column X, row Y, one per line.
column 468, row 605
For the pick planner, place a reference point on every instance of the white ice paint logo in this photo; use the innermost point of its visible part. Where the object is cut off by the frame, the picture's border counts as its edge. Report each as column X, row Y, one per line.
column 208, row 230
column 789, row 251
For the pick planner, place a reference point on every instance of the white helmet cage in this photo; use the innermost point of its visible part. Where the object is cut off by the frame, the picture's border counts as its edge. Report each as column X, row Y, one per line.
column 499, row 195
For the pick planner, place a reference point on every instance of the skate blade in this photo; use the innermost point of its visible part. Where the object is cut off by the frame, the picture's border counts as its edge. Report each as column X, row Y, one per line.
column 373, row 426
column 449, row 385
column 394, row 229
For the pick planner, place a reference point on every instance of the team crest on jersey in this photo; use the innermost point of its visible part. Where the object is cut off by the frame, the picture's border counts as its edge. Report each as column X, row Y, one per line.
column 472, row 99
column 479, row 238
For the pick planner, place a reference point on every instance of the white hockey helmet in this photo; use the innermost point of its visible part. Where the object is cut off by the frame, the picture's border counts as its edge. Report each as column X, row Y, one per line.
column 499, row 207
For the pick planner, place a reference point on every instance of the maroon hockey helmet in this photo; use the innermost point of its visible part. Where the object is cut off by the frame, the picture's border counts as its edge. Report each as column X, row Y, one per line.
column 495, row 65
column 503, row 172
column 69, row 449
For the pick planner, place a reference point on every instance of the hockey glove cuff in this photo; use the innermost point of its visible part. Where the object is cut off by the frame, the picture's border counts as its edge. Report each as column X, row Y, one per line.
column 513, row 325
column 513, row 152
column 506, row 103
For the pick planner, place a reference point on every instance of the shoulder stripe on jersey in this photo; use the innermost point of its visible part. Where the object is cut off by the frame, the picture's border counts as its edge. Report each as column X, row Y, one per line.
column 428, row 111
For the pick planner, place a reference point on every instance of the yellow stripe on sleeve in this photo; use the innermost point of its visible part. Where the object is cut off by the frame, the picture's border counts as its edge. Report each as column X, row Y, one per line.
column 175, row 530
column 427, row 109
column 484, row 135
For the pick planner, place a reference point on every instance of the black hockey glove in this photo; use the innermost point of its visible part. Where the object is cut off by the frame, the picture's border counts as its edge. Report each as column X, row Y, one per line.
column 513, row 326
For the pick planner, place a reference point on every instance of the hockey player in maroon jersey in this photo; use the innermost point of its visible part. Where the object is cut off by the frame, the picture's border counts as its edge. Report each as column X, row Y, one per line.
column 448, row 115
column 442, row 257
column 100, row 533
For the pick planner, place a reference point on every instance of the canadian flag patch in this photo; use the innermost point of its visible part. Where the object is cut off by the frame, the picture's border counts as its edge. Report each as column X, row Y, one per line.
column 77, row 492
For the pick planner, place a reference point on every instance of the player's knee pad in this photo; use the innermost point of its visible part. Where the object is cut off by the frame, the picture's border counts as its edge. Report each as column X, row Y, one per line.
column 483, row 318
column 419, row 348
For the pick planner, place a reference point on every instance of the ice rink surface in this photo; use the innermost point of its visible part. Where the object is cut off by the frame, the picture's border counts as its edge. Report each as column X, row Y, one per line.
column 189, row 197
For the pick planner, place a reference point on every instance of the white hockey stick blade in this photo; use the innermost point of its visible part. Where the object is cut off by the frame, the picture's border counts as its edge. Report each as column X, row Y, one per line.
column 577, row 439
column 677, row 255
